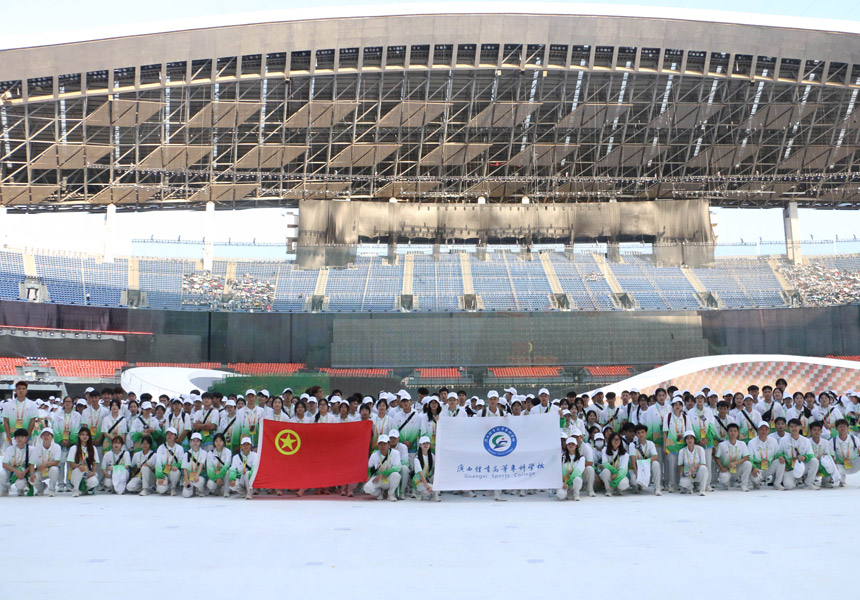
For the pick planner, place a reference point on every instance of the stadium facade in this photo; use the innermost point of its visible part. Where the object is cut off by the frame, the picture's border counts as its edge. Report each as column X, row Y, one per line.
column 645, row 121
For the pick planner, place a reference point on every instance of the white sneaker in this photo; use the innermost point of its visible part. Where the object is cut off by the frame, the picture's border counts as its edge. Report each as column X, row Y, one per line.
column 436, row 497
column 591, row 494
column 144, row 493
column 51, row 493
column 658, row 493
column 76, row 493
column 393, row 497
column 779, row 487
column 576, row 497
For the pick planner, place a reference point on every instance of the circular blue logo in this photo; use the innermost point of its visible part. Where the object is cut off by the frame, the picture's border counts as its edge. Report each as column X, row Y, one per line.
column 500, row 441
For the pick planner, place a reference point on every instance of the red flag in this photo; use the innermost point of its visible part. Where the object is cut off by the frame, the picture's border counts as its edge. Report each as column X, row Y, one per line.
column 312, row 455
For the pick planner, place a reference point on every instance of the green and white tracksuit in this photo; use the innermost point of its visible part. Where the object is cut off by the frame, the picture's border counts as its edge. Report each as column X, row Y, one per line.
column 218, row 468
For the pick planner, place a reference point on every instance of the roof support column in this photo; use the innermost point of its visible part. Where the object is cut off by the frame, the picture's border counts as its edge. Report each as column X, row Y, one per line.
column 110, row 219
column 208, row 236
column 792, row 233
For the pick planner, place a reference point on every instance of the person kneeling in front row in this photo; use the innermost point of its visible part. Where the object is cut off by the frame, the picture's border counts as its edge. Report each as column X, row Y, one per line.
column 692, row 465
column 384, row 465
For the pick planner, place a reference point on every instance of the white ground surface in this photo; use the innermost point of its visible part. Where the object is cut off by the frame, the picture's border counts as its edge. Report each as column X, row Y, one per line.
column 797, row 544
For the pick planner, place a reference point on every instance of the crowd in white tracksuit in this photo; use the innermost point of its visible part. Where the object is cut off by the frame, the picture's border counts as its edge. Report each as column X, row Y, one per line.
column 202, row 444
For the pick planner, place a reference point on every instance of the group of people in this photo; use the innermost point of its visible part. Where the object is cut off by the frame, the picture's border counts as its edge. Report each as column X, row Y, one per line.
column 821, row 285
column 205, row 443
column 216, row 291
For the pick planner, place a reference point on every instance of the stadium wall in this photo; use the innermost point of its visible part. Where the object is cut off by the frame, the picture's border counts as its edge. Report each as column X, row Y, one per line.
column 430, row 340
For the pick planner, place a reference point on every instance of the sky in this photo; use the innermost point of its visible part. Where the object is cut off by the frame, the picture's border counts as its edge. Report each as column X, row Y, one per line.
column 75, row 20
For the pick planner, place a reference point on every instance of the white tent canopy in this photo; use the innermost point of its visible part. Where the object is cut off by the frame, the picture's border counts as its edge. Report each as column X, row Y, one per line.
column 172, row 381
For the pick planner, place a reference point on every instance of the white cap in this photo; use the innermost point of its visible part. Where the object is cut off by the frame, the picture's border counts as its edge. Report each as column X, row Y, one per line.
column 701, row 393
column 47, row 430
column 171, row 430
column 480, row 402
column 576, row 431
column 394, row 433
column 231, row 402
column 511, row 390
column 246, row 440
column 634, row 390
column 248, row 392
column 81, row 402
column 383, row 438
column 492, row 394
column 677, row 399
column 196, row 436
column 404, row 395
column 264, row 392
column 290, row 390
column 565, row 412
column 89, row 389
column 423, row 440
column 599, row 436
column 728, row 393
column 543, row 391
column 571, row 440
column 748, row 397
column 146, row 405
column 312, row 399
column 304, row 397
column 763, row 424
column 367, row 400
column 563, row 434
column 689, row 432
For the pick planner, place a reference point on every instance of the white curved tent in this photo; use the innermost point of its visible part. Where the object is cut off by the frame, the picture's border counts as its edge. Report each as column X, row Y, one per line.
column 172, row 381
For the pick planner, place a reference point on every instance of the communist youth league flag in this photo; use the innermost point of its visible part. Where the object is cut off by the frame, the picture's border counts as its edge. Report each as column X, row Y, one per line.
column 312, row 455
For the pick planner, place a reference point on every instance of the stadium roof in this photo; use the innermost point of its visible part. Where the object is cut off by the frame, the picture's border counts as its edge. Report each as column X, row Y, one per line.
column 564, row 103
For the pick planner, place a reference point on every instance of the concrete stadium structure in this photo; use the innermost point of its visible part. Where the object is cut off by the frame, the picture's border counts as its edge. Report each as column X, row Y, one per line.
column 667, row 114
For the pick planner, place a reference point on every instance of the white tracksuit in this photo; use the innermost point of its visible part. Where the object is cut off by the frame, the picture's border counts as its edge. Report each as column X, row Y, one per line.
column 574, row 488
column 195, row 465
column 214, row 465
column 764, row 453
column 420, row 488
column 727, row 453
column 48, row 477
column 119, row 463
column 644, row 453
column 823, row 452
column 15, row 457
column 695, row 468
column 845, row 453
column 77, row 476
column 145, row 477
column 378, row 463
column 792, row 449
column 244, row 467
column 588, row 475
column 169, row 462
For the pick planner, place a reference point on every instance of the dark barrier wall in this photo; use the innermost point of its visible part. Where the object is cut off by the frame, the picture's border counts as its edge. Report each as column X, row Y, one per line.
column 444, row 339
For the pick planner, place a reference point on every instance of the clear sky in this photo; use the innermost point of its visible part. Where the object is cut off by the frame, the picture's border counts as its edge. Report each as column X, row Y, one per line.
column 83, row 232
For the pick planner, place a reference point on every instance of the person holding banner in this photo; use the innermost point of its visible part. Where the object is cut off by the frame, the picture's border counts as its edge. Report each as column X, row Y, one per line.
column 384, row 469
column 614, row 466
column 242, row 470
column 423, row 478
column 143, row 469
column 572, row 469
column 218, row 464
column 692, row 465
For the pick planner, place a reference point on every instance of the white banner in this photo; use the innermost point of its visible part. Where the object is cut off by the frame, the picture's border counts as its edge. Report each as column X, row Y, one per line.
column 498, row 453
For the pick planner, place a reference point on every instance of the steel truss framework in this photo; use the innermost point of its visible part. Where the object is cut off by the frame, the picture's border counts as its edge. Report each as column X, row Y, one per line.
column 444, row 123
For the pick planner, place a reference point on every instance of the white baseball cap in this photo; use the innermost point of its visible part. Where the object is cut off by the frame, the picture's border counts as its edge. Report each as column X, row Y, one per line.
column 404, row 395
column 248, row 393
column 47, row 430
column 231, row 402
column 264, row 392
column 146, row 405
column 543, row 391
column 511, row 390
column 171, row 430
column 677, row 399
column 424, row 440
column 383, row 438
column 571, row 440
column 246, row 440
column 493, row 394
column 394, row 433
column 196, row 436
column 689, row 432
